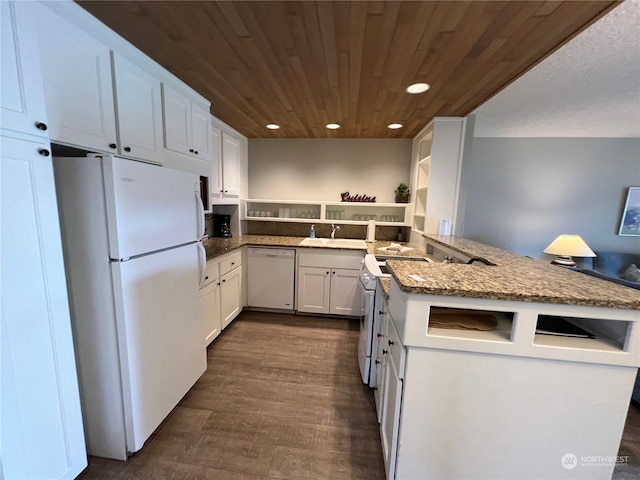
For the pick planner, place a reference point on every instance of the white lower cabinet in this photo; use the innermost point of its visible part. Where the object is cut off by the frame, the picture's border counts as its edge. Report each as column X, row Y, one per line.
column 346, row 295
column 391, row 390
column 314, row 288
column 231, row 295
column 328, row 282
column 222, row 293
column 381, row 357
column 211, row 300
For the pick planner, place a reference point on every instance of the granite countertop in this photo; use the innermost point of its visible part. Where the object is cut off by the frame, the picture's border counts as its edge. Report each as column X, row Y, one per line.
column 217, row 246
column 386, row 286
column 514, row 277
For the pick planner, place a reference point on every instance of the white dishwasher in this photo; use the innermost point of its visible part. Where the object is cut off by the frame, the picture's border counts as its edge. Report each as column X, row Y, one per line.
column 270, row 274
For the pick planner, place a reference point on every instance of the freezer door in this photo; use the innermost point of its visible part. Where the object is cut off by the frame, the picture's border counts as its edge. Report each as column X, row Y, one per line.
column 149, row 207
column 160, row 323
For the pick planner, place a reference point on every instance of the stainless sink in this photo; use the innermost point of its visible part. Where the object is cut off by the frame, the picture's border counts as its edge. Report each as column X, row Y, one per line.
column 333, row 243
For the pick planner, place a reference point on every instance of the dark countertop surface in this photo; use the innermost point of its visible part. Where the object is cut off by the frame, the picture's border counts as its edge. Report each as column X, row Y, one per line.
column 514, row 277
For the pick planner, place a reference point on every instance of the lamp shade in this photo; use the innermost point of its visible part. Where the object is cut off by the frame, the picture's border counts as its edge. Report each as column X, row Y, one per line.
column 569, row 245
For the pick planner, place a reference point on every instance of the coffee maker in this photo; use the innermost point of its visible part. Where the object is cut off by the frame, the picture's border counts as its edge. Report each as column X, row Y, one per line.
column 221, row 225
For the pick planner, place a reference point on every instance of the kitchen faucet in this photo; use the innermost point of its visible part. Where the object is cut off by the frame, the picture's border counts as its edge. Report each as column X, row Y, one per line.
column 334, row 228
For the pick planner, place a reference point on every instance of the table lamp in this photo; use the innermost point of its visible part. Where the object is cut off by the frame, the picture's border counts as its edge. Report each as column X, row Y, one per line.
column 567, row 246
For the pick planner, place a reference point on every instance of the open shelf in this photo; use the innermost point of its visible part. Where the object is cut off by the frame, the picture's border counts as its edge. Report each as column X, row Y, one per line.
column 421, row 201
column 610, row 335
column 501, row 332
column 395, row 214
column 424, row 167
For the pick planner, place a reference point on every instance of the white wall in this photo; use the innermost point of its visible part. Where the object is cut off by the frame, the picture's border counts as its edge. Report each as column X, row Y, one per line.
column 321, row 169
column 523, row 192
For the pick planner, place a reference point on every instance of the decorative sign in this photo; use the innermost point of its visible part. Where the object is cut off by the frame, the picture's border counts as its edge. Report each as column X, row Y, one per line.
column 356, row 198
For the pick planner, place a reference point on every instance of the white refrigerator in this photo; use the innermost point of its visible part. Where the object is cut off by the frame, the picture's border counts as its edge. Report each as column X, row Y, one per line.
column 134, row 264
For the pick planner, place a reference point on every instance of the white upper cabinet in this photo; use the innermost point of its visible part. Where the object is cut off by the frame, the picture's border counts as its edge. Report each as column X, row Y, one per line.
column 216, row 163
column 139, row 111
column 200, row 129
column 22, row 106
column 76, row 72
column 186, row 125
column 230, row 165
column 177, row 120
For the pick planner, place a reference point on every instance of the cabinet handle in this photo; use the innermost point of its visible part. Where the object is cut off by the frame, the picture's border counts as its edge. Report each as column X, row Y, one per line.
column 380, row 312
column 44, row 152
column 191, row 150
column 327, row 273
column 127, row 149
column 377, row 362
column 224, row 281
column 379, row 335
column 384, row 352
column 196, row 152
column 390, row 342
column 233, row 263
column 218, row 283
column 112, row 145
column 41, row 126
column 206, row 278
column 375, row 388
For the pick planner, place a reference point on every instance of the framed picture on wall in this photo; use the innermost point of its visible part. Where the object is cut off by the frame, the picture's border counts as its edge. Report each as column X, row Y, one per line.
column 630, row 223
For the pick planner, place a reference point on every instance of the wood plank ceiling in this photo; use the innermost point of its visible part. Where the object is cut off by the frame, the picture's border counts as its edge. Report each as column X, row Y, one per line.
column 303, row 64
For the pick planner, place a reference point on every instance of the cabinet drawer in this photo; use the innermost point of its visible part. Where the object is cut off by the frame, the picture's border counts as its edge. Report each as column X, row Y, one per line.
column 229, row 263
column 211, row 273
column 395, row 348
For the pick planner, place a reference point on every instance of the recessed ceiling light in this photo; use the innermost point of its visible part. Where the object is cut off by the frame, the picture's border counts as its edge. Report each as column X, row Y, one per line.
column 394, row 126
column 273, row 126
column 332, row 126
column 418, row 88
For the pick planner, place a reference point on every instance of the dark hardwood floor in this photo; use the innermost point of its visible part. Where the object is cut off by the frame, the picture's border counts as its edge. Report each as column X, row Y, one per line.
column 281, row 399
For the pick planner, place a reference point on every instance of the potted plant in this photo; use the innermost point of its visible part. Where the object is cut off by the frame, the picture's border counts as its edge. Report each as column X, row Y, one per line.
column 402, row 193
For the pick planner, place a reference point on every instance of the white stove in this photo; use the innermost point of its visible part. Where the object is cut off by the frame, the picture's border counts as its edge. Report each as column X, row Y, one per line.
column 373, row 267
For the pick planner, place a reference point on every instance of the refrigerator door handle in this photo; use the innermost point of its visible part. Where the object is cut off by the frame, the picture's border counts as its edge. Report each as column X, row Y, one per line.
column 200, row 208
column 202, row 263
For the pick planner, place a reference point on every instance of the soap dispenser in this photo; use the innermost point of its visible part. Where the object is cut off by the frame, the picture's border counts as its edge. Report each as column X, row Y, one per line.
column 312, row 233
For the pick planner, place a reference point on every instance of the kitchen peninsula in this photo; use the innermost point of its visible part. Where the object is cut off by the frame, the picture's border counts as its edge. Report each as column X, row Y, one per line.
column 509, row 401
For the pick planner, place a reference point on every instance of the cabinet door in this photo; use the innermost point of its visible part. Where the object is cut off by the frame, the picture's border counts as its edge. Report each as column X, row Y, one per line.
column 390, row 422
column 177, row 120
column 230, row 165
column 217, row 188
column 212, row 320
column 22, row 106
column 346, row 293
column 314, row 287
column 230, row 296
column 41, row 429
column 139, row 111
column 381, row 359
column 76, row 72
column 200, row 132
